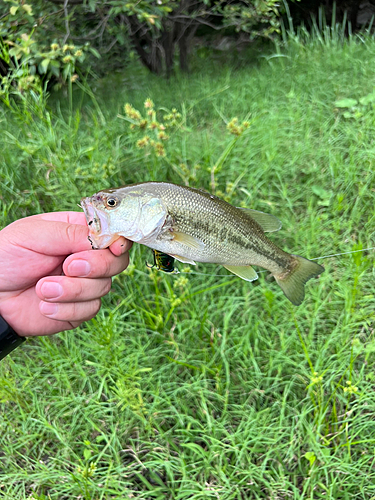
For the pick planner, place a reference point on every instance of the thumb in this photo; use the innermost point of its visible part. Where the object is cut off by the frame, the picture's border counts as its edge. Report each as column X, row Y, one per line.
column 48, row 237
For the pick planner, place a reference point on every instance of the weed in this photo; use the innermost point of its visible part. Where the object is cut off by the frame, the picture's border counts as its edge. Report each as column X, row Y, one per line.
column 200, row 385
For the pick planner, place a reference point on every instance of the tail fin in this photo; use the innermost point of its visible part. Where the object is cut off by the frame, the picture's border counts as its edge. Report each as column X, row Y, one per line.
column 293, row 282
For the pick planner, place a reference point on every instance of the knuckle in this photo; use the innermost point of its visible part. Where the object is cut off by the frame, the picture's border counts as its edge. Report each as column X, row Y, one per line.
column 77, row 289
column 74, row 324
column 78, row 312
column 108, row 268
column 126, row 260
column 84, row 311
column 74, row 312
column 97, row 303
column 71, row 231
column 107, row 286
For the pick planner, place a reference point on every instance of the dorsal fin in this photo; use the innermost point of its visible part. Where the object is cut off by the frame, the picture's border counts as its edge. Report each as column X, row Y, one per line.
column 269, row 223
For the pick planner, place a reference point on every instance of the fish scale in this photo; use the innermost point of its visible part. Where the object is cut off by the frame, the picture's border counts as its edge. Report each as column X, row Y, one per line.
column 192, row 225
column 245, row 242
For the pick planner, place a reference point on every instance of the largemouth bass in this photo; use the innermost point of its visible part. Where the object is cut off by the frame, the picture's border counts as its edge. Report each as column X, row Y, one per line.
column 192, row 225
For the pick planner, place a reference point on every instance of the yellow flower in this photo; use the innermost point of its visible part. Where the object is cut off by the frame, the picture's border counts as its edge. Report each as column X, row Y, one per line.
column 351, row 389
column 148, row 104
column 163, row 136
column 142, row 143
column 316, row 378
column 160, row 151
column 131, row 112
column 181, row 282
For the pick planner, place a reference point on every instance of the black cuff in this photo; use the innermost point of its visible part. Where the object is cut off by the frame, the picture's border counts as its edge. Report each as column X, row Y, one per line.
column 9, row 340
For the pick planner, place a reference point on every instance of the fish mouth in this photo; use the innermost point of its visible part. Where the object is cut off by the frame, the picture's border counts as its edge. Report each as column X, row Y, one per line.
column 99, row 233
column 92, row 217
column 93, row 222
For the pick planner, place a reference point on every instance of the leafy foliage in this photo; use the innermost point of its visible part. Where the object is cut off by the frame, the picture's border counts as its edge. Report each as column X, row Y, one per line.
column 356, row 109
column 27, row 49
column 52, row 38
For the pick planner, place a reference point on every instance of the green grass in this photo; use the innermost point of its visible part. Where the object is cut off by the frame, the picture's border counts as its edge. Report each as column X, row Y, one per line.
column 206, row 387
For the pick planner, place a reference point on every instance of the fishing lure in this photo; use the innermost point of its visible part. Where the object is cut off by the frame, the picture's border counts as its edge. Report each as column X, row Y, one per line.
column 163, row 262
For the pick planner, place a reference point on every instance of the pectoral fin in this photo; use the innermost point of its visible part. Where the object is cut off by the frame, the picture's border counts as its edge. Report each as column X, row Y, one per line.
column 183, row 259
column 189, row 241
column 269, row 223
column 245, row 272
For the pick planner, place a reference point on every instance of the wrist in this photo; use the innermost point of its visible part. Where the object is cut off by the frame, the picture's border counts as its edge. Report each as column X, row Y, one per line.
column 9, row 339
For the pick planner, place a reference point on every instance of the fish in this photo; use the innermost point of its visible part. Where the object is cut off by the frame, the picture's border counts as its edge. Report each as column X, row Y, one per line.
column 163, row 262
column 192, row 225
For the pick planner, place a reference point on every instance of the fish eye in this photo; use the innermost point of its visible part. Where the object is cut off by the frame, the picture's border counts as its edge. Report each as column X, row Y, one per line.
column 111, row 202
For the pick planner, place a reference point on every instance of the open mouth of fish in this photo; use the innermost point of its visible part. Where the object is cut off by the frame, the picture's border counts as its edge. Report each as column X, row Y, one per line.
column 92, row 217
column 99, row 233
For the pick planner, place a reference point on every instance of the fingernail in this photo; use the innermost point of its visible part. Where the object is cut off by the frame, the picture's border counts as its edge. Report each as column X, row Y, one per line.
column 48, row 309
column 51, row 290
column 79, row 268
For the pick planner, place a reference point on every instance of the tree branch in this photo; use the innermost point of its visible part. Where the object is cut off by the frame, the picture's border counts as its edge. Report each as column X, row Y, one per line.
column 72, row 2
column 67, row 28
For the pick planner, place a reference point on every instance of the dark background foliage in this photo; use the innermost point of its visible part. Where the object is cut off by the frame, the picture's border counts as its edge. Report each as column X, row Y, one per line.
column 55, row 38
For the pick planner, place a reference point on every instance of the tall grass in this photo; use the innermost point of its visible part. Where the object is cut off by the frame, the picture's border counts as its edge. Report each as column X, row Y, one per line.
column 201, row 385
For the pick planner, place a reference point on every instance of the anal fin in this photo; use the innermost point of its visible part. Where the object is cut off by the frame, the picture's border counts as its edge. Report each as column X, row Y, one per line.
column 183, row 259
column 245, row 272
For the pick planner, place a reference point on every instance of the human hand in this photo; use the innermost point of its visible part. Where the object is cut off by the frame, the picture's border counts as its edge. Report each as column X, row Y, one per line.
column 50, row 278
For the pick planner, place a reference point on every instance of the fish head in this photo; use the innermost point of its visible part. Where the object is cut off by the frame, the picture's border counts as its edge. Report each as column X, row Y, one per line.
column 122, row 212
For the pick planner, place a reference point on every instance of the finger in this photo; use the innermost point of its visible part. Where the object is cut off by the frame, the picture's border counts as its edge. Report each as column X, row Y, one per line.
column 120, row 246
column 73, row 312
column 65, row 289
column 48, row 237
column 95, row 264
column 68, row 217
